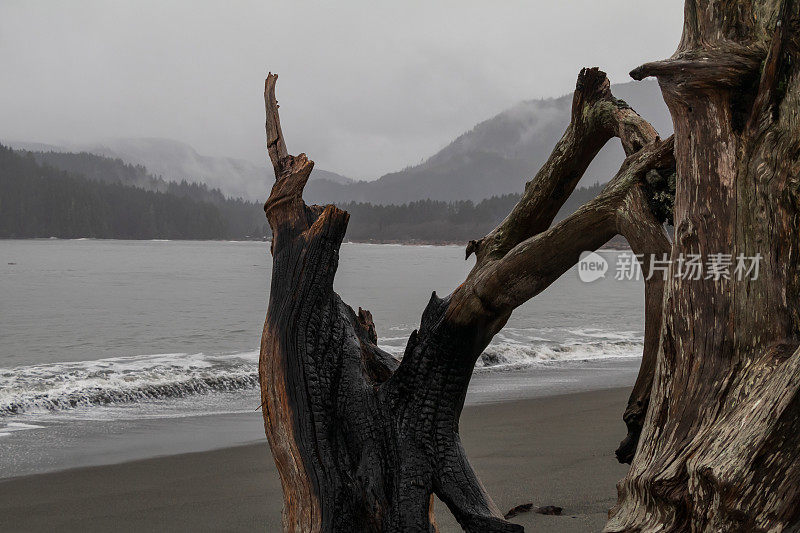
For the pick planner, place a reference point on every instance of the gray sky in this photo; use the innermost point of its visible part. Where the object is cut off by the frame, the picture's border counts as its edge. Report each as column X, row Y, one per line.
column 366, row 87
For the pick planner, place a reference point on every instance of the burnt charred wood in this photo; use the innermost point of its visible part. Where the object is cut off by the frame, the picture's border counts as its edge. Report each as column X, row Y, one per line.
column 361, row 441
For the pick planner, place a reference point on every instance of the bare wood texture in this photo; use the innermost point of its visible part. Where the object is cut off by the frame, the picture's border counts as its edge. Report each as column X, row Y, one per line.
column 361, row 441
column 720, row 448
column 647, row 238
column 596, row 118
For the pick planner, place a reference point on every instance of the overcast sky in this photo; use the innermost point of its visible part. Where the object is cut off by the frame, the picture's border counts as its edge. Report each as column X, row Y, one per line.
column 365, row 87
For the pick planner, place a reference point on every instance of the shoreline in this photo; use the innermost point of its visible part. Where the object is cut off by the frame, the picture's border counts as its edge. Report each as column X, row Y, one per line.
column 552, row 450
column 128, row 432
column 610, row 246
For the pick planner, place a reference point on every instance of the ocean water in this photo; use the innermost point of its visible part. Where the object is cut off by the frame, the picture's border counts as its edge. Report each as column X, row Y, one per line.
column 117, row 349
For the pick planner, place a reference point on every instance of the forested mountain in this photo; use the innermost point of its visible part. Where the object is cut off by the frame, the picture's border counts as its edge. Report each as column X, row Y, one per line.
column 498, row 155
column 41, row 201
column 99, row 168
column 176, row 161
column 434, row 221
column 243, row 219
column 495, row 158
column 458, row 194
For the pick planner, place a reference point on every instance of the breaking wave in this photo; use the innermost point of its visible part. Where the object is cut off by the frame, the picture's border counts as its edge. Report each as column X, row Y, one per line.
column 509, row 355
column 128, row 380
column 121, row 380
column 522, row 347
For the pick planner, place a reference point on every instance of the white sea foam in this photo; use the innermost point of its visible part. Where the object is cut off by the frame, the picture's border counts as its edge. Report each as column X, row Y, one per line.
column 523, row 347
column 145, row 378
column 121, row 380
column 603, row 334
column 509, row 355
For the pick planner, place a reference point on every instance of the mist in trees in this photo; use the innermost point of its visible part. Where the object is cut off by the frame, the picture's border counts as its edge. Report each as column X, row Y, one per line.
column 41, row 201
column 75, row 195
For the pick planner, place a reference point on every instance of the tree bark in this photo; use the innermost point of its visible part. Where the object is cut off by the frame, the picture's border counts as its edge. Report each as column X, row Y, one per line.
column 720, row 449
column 362, row 442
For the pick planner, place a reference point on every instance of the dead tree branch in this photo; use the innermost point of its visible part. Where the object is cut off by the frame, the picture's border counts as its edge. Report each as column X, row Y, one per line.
column 362, row 442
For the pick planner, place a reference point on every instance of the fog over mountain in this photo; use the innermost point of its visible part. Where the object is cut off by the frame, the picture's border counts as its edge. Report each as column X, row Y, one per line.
column 176, row 161
column 496, row 157
column 370, row 88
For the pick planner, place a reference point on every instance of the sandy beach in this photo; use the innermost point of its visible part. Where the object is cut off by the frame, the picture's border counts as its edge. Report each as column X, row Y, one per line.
column 550, row 451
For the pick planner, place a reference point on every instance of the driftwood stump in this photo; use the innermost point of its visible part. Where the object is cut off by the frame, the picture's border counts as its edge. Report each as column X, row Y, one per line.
column 720, row 448
column 362, row 441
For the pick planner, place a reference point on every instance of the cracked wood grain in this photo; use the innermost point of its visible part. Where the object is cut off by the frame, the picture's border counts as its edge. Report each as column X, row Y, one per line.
column 362, row 442
column 719, row 450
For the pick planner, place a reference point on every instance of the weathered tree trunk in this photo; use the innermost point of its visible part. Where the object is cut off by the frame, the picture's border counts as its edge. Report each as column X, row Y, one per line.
column 720, row 449
column 362, row 442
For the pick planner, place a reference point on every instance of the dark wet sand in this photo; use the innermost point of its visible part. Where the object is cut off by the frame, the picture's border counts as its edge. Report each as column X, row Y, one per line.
column 551, row 451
